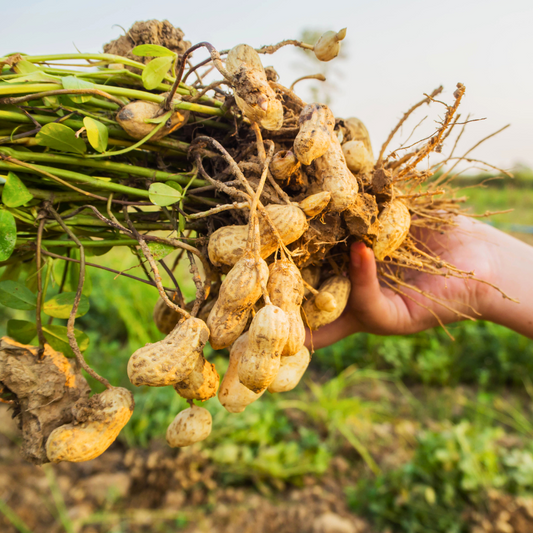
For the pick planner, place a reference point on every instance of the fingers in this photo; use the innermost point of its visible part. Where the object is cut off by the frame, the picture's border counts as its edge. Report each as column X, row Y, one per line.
column 331, row 333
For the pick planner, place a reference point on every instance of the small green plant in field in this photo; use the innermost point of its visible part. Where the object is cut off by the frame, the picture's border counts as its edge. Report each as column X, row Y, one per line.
column 452, row 469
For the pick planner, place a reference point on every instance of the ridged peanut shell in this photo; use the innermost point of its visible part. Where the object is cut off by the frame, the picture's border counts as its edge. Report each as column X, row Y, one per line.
column 202, row 382
column 171, row 360
column 334, row 176
column 395, row 222
column 328, row 45
column 290, row 372
column 357, row 157
column 132, row 119
column 286, row 290
column 339, row 287
column 314, row 204
column 232, row 394
column 190, row 426
column 325, row 301
column 165, row 318
column 238, row 293
column 358, row 132
column 100, row 420
column 242, row 55
column 314, row 137
column 227, row 244
column 260, row 361
column 283, row 165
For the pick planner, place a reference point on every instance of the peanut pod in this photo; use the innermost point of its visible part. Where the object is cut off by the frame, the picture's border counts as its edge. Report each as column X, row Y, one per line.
column 232, row 394
column 227, row 244
column 328, row 45
column 333, row 175
column 202, row 382
column 133, row 116
column 99, row 420
column 358, row 159
column 171, row 360
column 253, row 94
column 290, row 372
column 267, row 337
column 339, row 287
column 283, row 165
column 190, row 426
column 314, row 137
column 238, row 293
column 286, row 290
column 395, row 222
column 314, row 204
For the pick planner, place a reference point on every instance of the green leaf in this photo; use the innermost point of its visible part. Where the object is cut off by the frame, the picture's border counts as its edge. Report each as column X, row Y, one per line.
column 155, row 71
column 62, row 138
column 97, row 133
column 21, row 330
column 160, row 250
column 35, row 76
column 60, row 306
column 8, row 234
column 152, row 50
column 174, row 185
column 16, row 295
column 15, row 192
column 161, row 194
column 25, row 67
column 71, row 82
column 58, row 340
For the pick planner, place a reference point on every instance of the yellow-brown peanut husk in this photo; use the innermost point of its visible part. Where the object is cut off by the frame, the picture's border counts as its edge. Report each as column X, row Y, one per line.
column 328, row 45
column 325, row 301
column 334, row 176
column 395, row 222
column 358, row 159
column 165, row 318
column 171, row 360
column 99, row 420
column 286, row 290
column 132, row 119
column 260, row 361
column 311, row 276
column 232, row 394
column 290, row 372
column 314, row 137
column 253, row 94
column 190, row 426
column 238, row 293
column 202, row 382
column 314, row 204
column 203, row 314
column 227, row 244
column 283, row 165
column 357, row 132
column 339, row 287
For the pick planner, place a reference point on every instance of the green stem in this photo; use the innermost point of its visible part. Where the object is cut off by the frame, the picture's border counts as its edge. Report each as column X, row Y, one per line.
column 77, row 177
column 56, row 159
column 18, row 117
column 81, row 220
column 86, row 244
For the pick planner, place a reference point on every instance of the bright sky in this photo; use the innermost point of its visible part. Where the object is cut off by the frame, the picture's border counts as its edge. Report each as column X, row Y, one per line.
column 396, row 51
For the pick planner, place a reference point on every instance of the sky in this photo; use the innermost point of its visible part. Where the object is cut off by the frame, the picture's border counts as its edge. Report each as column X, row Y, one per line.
column 395, row 52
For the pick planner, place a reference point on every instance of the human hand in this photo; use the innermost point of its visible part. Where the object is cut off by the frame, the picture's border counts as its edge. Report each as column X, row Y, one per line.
column 374, row 307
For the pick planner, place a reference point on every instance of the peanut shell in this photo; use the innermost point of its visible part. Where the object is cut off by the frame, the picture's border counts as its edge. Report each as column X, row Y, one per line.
column 99, row 421
column 260, row 361
column 202, row 382
column 395, row 222
column 171, row 360
column 290, row 372
column 314, row 137
column 190, row 426
column 232, row 394
column 339, row 287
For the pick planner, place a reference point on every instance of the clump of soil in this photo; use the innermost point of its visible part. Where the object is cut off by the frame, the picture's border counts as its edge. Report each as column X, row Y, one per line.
column 42, row 388
column 162, row 33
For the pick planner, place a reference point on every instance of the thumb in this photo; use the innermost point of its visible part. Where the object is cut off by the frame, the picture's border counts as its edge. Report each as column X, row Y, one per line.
column 363, row 275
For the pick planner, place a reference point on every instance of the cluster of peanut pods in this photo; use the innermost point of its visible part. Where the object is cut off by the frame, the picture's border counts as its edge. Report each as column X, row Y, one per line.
column 265, row 302
column 270, row 293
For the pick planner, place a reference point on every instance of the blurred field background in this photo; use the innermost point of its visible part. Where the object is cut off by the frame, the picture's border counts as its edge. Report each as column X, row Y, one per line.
column 412, row 434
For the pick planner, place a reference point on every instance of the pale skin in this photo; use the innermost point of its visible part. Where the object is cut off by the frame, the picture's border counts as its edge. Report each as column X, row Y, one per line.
column 493, row 255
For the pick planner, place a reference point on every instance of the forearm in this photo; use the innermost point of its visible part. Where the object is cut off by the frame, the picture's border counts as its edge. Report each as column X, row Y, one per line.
column 512, row 272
